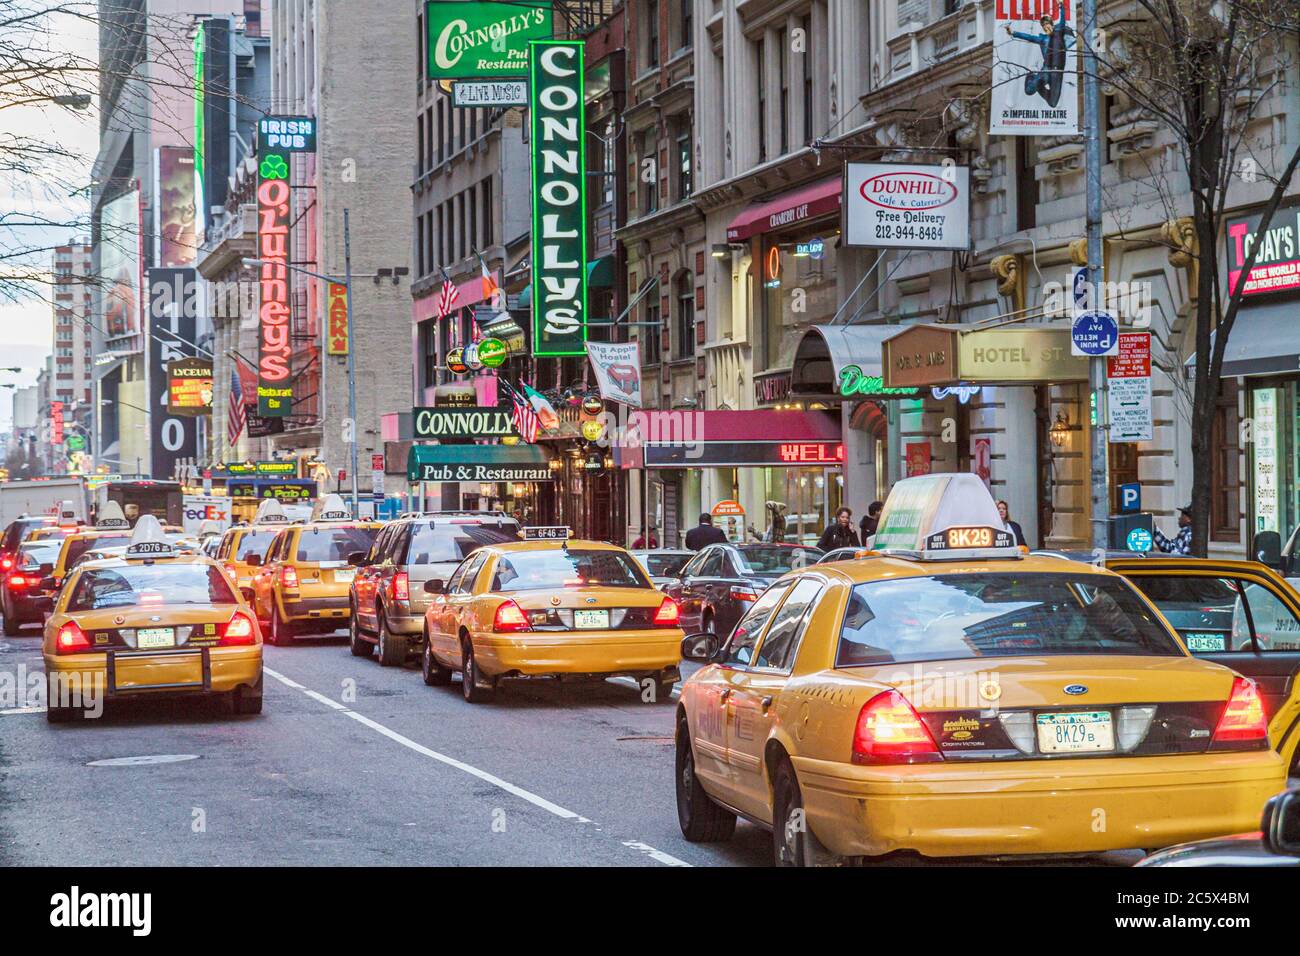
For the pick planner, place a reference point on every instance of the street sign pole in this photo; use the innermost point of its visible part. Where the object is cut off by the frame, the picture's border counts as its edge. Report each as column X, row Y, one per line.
column 1100, row 506
column 352, row 361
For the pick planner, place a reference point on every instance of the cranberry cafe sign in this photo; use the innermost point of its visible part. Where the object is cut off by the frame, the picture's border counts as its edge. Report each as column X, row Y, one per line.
column 557, row 133
column 906, row 206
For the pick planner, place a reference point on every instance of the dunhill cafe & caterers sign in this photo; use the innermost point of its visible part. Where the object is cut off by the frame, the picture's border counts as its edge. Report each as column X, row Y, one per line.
column 472, row 422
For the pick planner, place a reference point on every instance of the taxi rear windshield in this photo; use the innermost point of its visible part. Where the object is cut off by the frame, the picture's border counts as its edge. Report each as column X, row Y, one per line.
column 79, row 546
column 333, row 544
column 145, row 584
column 957, row 616
column 438, row 541
column 572, row 568
column 253, row 542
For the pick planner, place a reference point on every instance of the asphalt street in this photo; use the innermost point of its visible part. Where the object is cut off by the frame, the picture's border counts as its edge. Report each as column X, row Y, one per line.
column 354, row 764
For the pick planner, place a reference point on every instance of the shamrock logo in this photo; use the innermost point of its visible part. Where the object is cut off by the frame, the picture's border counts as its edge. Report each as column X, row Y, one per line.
column 274, row 167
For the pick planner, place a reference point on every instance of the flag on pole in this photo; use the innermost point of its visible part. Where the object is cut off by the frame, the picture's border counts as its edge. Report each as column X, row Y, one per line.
column 235, row 413
column 524, row 417
column 490, row 288
column 447, row 297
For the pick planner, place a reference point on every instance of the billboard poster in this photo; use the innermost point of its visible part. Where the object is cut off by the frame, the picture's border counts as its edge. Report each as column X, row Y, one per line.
column 906, row 206
column 119, row 263
column 557, row 138
column 175, row 207
column 917, row 456
column 173, row 327
column 618, row 371
column 274, row 388
column 1035, row 68
column 189, row 386
column 467, row 40
column 1277, row 252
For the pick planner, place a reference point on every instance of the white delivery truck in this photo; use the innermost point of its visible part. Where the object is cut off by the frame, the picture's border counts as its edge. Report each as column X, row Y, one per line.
column 42, row 496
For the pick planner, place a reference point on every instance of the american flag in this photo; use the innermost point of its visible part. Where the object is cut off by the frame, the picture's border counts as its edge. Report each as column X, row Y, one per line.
column 524, row 418
column 235, row 413
column 447, row 298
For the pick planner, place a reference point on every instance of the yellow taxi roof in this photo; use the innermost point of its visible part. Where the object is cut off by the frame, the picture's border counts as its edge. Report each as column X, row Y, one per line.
column 178, row 557
column 514, row 547
column 880, row 567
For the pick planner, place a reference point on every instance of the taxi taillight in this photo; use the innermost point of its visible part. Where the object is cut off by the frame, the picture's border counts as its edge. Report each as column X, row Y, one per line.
column 6, row 562
column 668, row 613
column 400, row 587
column 1243, row 722
column 239, row 630
column 17, row 581
column 71, row 639
column 890, row 731
column 288, row 576
column 509, row 617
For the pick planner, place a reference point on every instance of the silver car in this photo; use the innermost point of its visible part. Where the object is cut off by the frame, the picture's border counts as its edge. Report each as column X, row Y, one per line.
column 388, row 597
column 662, row 564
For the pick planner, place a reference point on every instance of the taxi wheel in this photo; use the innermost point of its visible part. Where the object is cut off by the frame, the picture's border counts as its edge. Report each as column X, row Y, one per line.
column 359, row 645
column 793, row 843
column 12, row 626
column 435, row 675
column 701, row 820
column 281, row 632
column 247, row 700
column 469, row 685
column 392, row 647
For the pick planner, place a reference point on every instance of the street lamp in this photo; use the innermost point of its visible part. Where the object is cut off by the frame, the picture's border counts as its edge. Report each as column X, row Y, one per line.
column 346, row 282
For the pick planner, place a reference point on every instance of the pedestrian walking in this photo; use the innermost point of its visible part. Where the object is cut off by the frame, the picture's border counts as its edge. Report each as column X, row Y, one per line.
column 704, row 533
column 1181, row 543
column 839, row 533
column 1012, row 526
column 871, row 520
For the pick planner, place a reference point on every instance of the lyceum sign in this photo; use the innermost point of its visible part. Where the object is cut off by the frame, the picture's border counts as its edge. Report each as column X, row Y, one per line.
column 482, row 39
column 557, row 131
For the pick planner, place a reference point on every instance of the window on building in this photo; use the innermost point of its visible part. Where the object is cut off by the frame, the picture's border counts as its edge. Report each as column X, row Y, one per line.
column 652, row 33
column 683, row 163
column 783, row 69
column 762, row 99
column 649, row 170
column 685, row 315
column 686, row 23
column 462, row 232
column 806, row 25
column 1026, row 183
column 421, row 156
column 471, row 210
column 442, row 127
column 650, row 334
column 485, row 197
column 1225, row 475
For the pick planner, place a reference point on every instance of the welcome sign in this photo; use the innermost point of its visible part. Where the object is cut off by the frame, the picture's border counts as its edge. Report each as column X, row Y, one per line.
column 557, row 139
column 482, row 39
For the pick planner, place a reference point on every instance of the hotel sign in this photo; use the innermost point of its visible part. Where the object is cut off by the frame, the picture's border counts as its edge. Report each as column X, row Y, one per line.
column 557, row 132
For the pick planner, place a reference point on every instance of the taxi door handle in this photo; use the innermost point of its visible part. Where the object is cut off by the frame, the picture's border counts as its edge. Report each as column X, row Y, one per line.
column 766, row 702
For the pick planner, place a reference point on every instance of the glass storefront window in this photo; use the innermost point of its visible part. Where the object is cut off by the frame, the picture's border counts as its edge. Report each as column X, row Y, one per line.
column 797, row 278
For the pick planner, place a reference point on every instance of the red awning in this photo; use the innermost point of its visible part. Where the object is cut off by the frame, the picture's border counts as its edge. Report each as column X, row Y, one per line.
column 818, row 199
column 812, row 433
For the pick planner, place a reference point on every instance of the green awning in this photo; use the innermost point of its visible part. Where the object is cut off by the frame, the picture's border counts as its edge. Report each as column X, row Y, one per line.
column 478, row 463
column 600, row 275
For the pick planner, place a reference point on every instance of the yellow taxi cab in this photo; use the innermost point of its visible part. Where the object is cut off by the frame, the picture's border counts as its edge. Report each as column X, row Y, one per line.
column 237, row 544
column 111, row 530
column 303, row 582
column 549, row 606
column 951, row 695
column 154, row 621
column 1241, row 614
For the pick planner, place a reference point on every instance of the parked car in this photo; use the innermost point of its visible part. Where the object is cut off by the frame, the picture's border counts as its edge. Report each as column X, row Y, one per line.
column 1277, row 843
column 662, row 564
column 718, row 585
column 23, row 600
column 388, row 597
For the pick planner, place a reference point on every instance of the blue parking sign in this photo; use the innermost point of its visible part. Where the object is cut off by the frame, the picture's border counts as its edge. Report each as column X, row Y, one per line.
column 1095, row 333
column 1139, row 539
column 1130, row 497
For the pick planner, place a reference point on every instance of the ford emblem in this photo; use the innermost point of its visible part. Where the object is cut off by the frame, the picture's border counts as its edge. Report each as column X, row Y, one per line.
column 591, row 600
column 1076, row 689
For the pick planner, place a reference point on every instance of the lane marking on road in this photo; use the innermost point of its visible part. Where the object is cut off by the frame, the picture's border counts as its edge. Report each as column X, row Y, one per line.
column 21, row 710
column 490, row 778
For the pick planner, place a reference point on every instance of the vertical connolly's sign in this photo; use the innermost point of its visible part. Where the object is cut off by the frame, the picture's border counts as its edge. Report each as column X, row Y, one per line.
column 1035, row 68
column 336, row 311
column 274, row 389
column 557, row 130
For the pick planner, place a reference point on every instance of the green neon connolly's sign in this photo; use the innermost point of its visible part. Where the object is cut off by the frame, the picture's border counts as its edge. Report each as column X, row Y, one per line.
column 854, row 382
column 468, row 40
column 559, row 159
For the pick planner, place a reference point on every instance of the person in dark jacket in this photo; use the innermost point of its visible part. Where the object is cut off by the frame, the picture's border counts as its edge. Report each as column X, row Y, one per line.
column 1012, row 526
column 871, row 520
column 1055, row 40
column 840, row 533
column 704, row 533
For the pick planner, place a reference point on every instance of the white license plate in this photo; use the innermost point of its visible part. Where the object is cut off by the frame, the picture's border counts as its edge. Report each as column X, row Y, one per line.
column 1087, row 731
column 149, row 637
column 345, row 574
column 591, row 620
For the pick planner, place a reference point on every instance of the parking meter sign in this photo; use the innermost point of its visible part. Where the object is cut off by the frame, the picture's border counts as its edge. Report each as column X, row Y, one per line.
column 1130, row 497
column 1094, row 334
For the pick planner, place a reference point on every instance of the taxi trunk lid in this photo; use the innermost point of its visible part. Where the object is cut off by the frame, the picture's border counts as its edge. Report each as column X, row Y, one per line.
column 159, row 627
column 590, row 608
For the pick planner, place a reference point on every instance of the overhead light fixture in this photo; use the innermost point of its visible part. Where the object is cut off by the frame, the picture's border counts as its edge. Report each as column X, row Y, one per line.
column 1060, row 429
column 720, row 250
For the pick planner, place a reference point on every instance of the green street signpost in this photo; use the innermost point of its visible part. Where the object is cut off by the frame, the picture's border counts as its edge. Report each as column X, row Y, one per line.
column 557, row 131
column 471, row 40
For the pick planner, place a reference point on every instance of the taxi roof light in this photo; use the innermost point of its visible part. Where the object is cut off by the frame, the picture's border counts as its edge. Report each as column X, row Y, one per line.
column 509, row 617
column 947, row 517
column 71, row 639
column 330, row 507
column 889, row 730
column 668, row 614
column 270, row 511
column 1243, row 719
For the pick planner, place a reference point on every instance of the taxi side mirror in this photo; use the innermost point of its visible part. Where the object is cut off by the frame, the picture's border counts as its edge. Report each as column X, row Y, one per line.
column 357, row 559
column 435, row 586
column 1281, row 824
column 700, row 648
column 253, row 560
